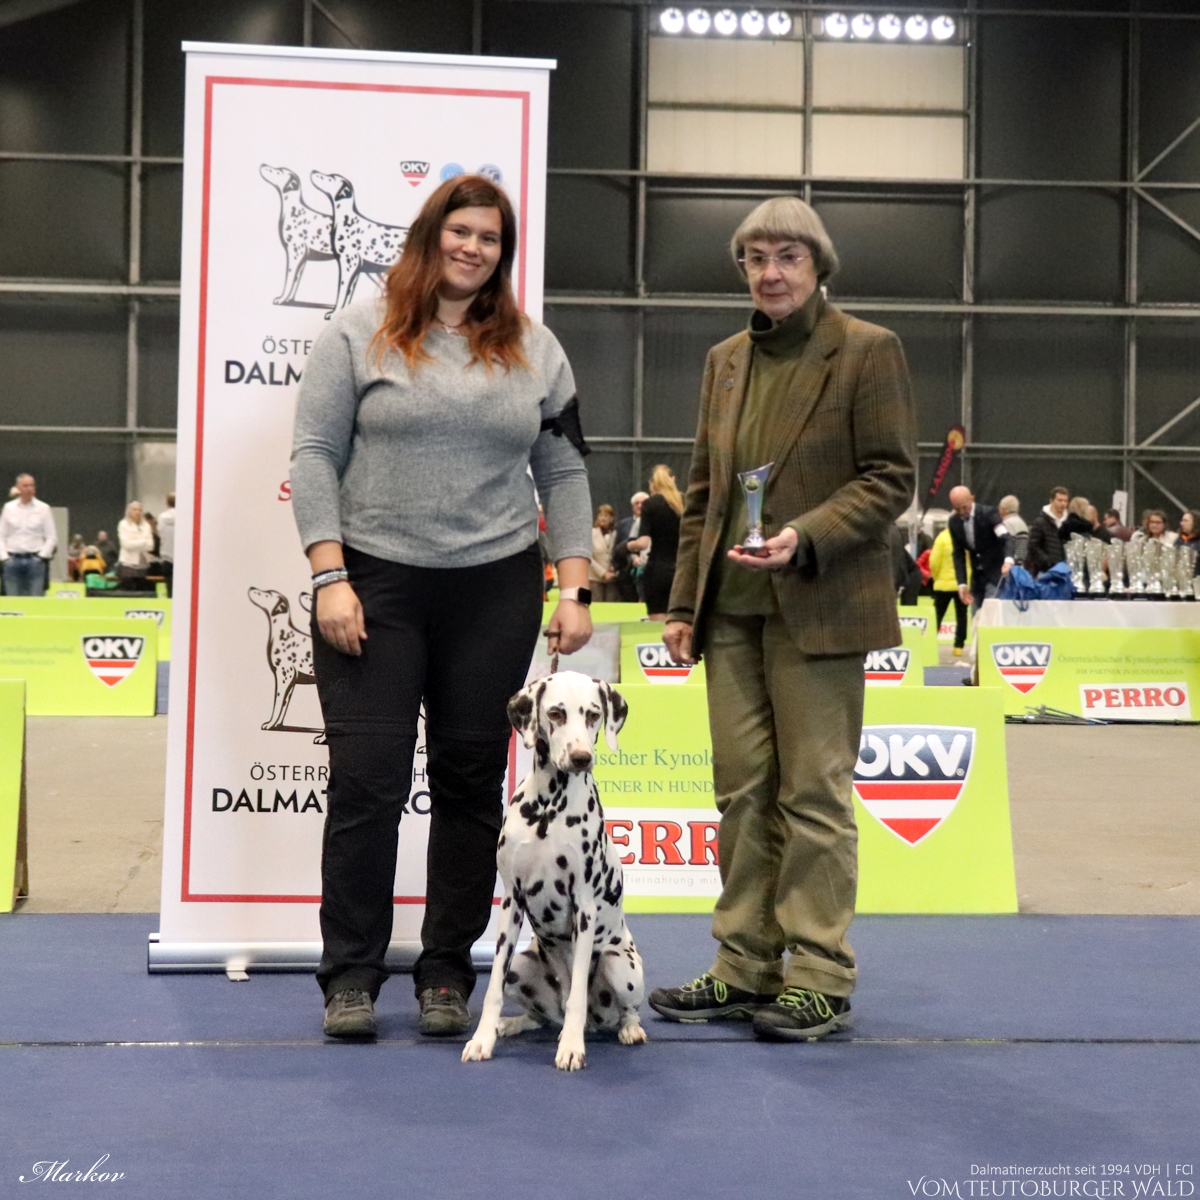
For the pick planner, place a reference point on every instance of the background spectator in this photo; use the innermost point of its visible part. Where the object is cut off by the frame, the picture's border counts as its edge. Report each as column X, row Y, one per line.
column 1045, row 536
column 601, row 577
column 166, row 542
column 1099, row 530
column 1077, row 520
column 137, row 545
column 978, row 534
column 1154, row 528
column 659, row 533
column 27, row 541
column 75, row 548
column 108, row 549
column 1112, row 522
column 91, row 562
column 1189, row 528
column 945, row 587
column 1010, row 514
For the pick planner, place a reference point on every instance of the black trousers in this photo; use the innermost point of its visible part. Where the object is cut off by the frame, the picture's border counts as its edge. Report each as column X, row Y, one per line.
column 461, row 639
column 941, row 602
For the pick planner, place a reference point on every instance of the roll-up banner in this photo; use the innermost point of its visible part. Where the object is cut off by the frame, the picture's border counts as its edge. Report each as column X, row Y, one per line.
column 303, row 170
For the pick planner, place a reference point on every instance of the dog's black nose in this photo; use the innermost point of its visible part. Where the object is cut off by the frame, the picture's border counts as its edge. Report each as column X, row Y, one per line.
column 581, row 760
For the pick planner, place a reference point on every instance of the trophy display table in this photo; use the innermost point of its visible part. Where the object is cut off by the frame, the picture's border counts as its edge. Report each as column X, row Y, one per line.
column 1091, row 614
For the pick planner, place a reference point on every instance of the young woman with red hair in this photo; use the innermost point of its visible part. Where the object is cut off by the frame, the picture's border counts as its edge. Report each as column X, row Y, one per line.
column 420, row 419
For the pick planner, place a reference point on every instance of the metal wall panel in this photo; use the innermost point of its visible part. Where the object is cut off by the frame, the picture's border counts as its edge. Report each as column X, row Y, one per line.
column 888, row 147
column 589, row 234
column 875, row 75
column 725, row 143
column 601, row 346
column 733, row 72
column 158, row 364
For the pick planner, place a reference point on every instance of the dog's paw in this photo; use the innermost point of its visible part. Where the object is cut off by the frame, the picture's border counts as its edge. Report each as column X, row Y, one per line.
column 631, row 1034
column 477, row 1050
column 570, row 1057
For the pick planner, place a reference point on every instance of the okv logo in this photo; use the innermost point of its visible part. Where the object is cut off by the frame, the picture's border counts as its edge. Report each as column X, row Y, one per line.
column 909, row 777
column 886, row 668
column 112, row 659
column 921, row 624
column 1022, row 664
column 414, row 170
column 658, row 666
column 146, row 614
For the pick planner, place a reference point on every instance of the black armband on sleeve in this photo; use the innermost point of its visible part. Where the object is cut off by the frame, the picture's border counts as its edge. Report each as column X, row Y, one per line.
column 567, row 425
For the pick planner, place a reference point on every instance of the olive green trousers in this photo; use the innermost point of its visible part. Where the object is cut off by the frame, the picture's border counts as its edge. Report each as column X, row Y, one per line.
column 785, row 736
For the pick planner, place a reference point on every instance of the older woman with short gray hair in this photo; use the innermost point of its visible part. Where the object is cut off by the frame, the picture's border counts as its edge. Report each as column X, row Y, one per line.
column 818, row 403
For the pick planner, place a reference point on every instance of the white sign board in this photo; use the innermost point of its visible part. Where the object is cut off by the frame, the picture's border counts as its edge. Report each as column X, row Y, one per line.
column 281, row 146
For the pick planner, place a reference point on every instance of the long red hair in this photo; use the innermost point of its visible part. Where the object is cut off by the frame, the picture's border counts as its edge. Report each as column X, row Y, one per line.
column 494, row 322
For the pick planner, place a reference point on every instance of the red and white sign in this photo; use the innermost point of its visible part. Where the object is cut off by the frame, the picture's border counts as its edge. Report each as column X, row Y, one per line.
column 909, row 777
column 1136, row 701
column 1022, row 664
column 666, row 851
column 112, row 659
column 658, row 666
column 886, row 668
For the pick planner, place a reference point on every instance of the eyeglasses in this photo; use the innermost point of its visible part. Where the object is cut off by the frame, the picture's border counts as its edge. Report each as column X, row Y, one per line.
column 756, row 264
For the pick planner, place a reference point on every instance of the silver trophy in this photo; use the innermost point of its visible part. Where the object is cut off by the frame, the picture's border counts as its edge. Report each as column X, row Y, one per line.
column 1136, row 561
column 1116, row 568
column 1174, row 580
column 1152, row 559
column 1094, row 553
column 754, row 484
column 1188, row 580
column 1074, row 551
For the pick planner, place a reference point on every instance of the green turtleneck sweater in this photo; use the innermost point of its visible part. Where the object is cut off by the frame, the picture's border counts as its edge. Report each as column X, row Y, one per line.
column 776, row 350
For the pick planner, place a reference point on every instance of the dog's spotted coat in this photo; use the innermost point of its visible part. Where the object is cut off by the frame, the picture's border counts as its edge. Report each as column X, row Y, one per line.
column 304, row 232
column 561, row 872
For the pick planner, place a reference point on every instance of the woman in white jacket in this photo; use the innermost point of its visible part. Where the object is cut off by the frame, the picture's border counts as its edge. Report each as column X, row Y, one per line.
column 136, row 537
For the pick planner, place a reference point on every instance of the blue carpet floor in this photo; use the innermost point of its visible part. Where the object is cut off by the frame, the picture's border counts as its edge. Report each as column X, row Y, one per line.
column 1028, row 1041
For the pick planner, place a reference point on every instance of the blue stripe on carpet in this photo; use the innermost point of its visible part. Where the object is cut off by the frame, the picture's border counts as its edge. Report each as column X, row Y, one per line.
column 69, row 978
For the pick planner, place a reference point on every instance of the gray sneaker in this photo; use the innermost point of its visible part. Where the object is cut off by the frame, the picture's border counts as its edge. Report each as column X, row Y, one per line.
column 443, row 1012
column 350, row 1014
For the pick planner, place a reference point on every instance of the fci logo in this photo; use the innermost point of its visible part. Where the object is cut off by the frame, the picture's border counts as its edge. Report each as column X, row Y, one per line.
column 909, row 777
column 1022, row 664
column 886, row 668
column 112, row 658
column 658, row 666
column 414, row 170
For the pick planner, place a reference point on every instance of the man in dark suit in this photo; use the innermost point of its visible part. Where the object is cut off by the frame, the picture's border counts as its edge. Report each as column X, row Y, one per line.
column 980, row 532
column 627, row 530
column 823, row 398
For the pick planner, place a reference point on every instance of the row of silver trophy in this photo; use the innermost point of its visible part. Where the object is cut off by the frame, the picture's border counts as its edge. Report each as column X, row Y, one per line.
column 1134, row 568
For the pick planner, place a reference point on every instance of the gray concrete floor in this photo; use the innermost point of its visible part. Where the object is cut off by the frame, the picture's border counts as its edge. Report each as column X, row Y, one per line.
column 1105, row 819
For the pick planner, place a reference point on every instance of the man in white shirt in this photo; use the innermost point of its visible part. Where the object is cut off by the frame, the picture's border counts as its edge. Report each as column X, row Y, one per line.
column 166, row 541
column 27, row 541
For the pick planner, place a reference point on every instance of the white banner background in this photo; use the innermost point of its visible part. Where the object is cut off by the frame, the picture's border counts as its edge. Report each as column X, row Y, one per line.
column 238, row 868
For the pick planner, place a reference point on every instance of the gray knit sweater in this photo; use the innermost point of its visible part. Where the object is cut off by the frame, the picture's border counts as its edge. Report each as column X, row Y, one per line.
column 429, row 466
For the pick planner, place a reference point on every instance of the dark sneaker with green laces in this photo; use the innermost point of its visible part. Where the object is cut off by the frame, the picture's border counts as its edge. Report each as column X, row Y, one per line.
column 350, row 1014
column 443, row 1012
column 801, row 1015
column 707, row 999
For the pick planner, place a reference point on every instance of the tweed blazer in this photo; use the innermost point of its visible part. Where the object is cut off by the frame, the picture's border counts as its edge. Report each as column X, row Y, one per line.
column 844, row 469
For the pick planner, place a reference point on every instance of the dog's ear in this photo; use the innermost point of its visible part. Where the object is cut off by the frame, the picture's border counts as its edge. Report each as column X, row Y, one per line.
column 615, row 710
column 280, row 606
column 523, row 711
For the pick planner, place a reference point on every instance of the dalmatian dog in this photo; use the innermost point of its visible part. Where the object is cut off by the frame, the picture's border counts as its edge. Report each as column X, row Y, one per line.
column 289, row 653
column 581, row 969
column 304, row 232
column 360, row 245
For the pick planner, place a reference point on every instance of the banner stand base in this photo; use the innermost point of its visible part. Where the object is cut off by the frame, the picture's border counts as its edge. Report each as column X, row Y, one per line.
column 237, row 958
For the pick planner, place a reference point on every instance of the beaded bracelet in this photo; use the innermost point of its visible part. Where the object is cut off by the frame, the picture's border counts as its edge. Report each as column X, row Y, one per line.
column 324, row 578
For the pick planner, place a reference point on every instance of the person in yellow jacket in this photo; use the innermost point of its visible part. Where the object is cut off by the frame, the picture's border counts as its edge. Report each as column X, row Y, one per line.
column 945, row 587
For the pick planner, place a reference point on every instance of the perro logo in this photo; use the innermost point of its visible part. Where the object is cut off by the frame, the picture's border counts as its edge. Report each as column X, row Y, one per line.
column 1137, row 702
column 1022, row 664
column 658, row 666
column 886, row 668
column 909, row 777
column 112, row 658
column 414, row 170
